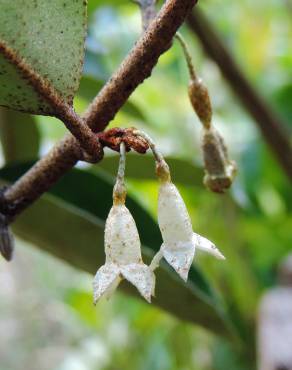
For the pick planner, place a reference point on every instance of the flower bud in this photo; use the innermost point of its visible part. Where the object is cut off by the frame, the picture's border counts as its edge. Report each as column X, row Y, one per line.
column 219, row 170
column 200, row 99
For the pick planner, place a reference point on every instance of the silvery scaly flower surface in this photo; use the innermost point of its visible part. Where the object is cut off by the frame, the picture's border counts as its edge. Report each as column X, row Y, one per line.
column 123, row 257
column 179, row 240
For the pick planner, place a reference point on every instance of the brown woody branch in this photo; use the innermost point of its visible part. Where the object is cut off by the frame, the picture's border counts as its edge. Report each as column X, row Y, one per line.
column 62, row 110
column 139, row 63
column 270, row 125
column 111, row 138
column 136, row 67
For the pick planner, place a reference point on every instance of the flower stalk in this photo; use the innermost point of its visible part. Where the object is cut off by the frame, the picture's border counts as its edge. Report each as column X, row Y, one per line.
column 120, row 192
column 122, row 247
column 162, row 169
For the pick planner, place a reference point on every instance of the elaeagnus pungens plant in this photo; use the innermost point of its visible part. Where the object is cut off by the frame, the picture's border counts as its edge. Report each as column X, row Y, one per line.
column 39, row 90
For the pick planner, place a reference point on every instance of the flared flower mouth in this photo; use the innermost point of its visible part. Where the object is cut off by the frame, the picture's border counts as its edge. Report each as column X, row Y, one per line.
column 123, row 257
column 180, row 256
column 110, row 275
column 179, row 240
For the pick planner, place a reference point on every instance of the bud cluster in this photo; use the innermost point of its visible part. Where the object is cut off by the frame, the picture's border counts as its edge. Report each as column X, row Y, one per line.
column 219, row 169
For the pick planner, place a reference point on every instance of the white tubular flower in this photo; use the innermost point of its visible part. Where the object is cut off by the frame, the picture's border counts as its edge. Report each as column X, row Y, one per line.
column 206, row 246
column 123, row 256
column 122, row 250
column 179, row 240
column 175, row 225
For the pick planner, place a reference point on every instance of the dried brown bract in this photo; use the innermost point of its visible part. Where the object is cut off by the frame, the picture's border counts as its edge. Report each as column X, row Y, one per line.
column 112, row 138
column 200, row 99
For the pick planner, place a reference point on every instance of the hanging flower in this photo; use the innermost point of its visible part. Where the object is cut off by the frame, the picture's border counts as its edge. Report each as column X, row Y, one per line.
column 220, row 171
column 122, row 249
column 123, row 257
column 179, row 240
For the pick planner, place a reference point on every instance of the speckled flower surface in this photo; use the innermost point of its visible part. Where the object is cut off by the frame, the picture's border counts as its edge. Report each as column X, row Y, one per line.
column 179, row 240
column 123, row 257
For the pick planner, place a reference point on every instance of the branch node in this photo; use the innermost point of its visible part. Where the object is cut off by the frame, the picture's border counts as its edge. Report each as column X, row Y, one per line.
column 136, row 67
column 62, row 109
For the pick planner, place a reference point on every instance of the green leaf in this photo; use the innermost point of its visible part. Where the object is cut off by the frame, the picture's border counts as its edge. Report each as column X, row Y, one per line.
column 20, row 137
column 69, row 223
column 89, row 87
column 49, row 35
column 142, row 168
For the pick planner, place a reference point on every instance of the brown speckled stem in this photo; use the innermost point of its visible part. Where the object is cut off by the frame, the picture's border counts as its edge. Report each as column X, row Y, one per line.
column 136, row 67
column 63, row 110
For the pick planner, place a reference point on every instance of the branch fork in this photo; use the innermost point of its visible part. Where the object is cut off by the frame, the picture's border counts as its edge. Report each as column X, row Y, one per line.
column 114, row 137
column 86, row 145
column 62, row 110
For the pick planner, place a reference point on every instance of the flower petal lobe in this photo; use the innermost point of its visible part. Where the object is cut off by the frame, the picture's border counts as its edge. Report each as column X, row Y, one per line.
column 207, row 246
column 106, row 281
column 180, row 256
column 142, row 277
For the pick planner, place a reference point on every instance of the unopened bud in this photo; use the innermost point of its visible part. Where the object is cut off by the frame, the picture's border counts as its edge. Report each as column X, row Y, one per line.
column 200, row 99
column 6, row 239
column 219, row 169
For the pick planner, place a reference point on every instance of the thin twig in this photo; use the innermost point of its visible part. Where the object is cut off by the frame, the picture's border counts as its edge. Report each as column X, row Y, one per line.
column 187, row 54
column 136, row 67
column 120, row 191
column 162, row 169
column 268, row 122
column 61, row 109
column 156, row 153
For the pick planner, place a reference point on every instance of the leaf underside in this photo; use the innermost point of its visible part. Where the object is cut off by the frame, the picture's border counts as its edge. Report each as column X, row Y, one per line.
column 75, row 234
column 49, row 36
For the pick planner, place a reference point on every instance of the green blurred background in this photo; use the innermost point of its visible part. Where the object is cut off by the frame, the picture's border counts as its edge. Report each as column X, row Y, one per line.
column 47, row 320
